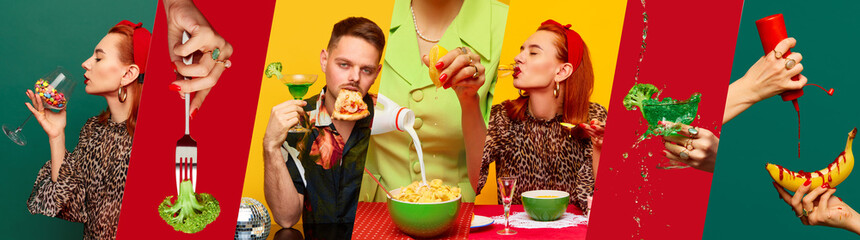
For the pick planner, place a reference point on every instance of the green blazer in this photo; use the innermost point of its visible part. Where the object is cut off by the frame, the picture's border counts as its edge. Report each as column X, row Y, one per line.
column 391, row 157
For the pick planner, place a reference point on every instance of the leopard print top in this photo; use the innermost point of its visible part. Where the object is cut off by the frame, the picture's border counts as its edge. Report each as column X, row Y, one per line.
column 540, row 154
column 90, row 185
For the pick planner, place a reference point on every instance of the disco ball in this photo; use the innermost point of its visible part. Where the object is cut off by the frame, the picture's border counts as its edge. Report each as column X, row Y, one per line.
column 254, row 222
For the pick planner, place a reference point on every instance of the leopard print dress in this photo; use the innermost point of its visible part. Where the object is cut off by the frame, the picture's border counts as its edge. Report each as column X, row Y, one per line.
column 540, row 154
column 90, row 185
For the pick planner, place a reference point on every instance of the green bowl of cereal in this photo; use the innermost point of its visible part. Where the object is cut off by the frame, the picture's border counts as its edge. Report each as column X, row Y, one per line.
column 423, row 219
column 545, row 205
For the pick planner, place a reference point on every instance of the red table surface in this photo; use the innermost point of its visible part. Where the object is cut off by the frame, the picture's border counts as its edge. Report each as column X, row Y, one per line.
column 489, row 232
column 372, row 221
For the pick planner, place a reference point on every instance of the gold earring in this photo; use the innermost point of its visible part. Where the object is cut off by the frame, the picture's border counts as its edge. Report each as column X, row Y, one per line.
column 122, row 94
column 555, row 92
column 520, row 91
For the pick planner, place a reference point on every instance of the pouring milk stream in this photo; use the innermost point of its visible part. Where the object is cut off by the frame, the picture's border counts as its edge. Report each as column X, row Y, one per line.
column 389, row 116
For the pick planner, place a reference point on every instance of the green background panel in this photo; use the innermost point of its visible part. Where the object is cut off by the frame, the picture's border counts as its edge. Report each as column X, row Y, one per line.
column 38, row 36
column 743, row 203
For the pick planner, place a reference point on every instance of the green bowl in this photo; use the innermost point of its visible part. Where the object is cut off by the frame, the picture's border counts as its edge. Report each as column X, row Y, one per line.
column 540, row 207
column 423, row 220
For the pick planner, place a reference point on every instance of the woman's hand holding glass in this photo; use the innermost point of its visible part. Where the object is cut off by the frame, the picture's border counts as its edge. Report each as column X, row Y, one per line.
column 696, row 147
column 54, row 123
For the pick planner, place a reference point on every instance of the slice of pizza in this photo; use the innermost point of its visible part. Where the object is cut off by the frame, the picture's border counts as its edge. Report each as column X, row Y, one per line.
column 349, row 106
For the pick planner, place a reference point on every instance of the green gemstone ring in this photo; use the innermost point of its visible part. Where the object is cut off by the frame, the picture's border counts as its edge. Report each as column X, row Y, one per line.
column 216, row 53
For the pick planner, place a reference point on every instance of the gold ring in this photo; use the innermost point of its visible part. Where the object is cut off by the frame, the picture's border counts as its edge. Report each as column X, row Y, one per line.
column 684, row 154
column 790, row 63
column 227, row 63
column 689, row 144
column 464, row 50
column 777, row 54
column 474, row 75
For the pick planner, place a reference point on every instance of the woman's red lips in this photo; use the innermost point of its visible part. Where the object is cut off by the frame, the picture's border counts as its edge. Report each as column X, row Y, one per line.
column 86, row 80
column 516, row 71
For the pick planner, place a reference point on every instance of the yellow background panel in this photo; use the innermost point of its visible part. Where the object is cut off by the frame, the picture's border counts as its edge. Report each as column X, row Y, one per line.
column 300, row 30
column 598, row 22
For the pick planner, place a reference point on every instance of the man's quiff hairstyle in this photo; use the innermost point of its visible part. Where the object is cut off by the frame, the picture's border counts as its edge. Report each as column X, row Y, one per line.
column 358, row 27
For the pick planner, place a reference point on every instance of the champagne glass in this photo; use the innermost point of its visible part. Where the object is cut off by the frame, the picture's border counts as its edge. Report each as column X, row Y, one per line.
column 53, row 89
column 506, row 70
column 673, row 111
column 298, row 85
column 507, row 186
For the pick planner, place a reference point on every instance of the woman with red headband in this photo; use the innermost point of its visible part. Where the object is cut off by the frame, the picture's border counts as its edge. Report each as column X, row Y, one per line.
column 526, row 136
column 86, row 185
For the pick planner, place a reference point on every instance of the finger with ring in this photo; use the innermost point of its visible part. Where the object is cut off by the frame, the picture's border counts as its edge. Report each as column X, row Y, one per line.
column 684, row 154
column 777, row 54
column 790, row 63
column 694, row 131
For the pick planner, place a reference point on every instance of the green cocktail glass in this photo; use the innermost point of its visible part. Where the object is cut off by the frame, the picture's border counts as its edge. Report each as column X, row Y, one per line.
column 298, row 85
column 669, row 110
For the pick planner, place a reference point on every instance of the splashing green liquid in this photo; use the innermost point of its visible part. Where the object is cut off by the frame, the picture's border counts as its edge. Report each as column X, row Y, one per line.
column 667, row 109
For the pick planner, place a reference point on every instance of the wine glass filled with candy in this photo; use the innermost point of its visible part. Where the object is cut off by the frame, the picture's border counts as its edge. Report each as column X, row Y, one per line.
column 53, row 89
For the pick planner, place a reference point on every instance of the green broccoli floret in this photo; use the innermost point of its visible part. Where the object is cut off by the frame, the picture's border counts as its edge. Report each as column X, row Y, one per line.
column 191, row 212
column 275, row 69
column 637, row 94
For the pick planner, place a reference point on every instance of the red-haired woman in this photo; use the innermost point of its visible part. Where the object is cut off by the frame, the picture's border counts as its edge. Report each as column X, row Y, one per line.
column 526, row 138
column 86, row 185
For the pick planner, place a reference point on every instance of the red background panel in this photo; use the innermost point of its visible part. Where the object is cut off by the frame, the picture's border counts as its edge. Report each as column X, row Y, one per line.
column 690, row 46
column 222, row 127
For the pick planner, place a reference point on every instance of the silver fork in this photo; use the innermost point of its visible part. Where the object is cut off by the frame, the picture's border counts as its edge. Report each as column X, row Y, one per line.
column 186, row 147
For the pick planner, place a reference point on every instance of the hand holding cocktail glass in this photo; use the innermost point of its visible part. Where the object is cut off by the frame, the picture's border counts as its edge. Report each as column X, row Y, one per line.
column 693, row 146
column 298, row 85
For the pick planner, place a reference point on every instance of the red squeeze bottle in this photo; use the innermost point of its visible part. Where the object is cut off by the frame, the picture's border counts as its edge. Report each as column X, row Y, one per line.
column 771, row 30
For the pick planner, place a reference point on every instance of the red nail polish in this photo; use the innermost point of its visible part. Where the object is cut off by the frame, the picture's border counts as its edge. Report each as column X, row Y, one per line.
column 174, row 87
column 194, row 113
column 665, row 154
column 443, row 78
column 808, row 181
column 840, row 199
column 439, row 65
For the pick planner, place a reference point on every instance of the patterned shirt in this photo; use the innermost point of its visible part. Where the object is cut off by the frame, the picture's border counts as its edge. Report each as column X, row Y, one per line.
column 541, row 154
column 326, row 168
column 90, row 185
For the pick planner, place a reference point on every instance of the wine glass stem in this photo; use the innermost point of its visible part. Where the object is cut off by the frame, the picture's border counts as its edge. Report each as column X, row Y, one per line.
column 25, row 122
column 507, row 214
